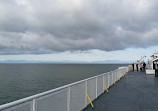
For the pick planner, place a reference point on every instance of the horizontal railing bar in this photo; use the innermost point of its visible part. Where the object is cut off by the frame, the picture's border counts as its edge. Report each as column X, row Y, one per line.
column 30, row 98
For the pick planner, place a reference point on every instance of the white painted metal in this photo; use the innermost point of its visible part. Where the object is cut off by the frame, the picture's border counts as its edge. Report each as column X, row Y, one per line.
column 68, row 99
column 99, row 85
column 103, row 82
column 108, row 81
column 77, row 97
column 74, row 91
column 150, row 71
column 96, row 88
column 91, row 89
column 34, row 105
column 86, row 93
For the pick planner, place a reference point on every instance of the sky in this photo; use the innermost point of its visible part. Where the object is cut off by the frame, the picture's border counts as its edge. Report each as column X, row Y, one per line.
column 78, row 30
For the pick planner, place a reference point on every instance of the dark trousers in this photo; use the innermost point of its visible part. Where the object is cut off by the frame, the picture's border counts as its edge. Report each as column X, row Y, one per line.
column 156, row 72
column 144, row 68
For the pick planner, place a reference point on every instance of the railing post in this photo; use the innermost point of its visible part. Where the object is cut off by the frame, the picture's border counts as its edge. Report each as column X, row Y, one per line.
column 116, row 76
column 85, row 94
column 120, row 75
column 108, row 80
column 103, row 82
column 96, row 88
column 112, row 75
column 34, row 105
column 68, row 99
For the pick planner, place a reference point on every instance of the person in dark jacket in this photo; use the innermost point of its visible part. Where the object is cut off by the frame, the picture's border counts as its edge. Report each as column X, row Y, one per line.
column 144, row 66
column 133, row 66
column 137, row 67
column 156, row 70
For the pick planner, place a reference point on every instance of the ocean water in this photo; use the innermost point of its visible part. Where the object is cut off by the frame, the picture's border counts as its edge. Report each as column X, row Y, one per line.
column 22, row 80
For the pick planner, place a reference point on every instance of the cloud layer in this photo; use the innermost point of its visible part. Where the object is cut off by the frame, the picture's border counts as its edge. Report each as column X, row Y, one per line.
column 47, row 26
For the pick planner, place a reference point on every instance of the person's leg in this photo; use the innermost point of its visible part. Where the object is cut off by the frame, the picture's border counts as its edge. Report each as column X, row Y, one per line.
column 137, row 69
column 156, row 73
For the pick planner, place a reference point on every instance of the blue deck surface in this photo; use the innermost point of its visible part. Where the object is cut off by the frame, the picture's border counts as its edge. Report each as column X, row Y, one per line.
column 136, row 92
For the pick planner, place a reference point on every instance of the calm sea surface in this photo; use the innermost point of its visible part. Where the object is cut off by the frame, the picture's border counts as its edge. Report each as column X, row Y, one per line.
column 21, row 80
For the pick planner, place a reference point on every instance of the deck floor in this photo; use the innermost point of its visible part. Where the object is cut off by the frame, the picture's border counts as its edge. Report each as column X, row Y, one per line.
column 136, row 92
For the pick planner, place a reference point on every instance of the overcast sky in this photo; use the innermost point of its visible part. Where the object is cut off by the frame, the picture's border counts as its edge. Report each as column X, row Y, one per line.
column 79, row 30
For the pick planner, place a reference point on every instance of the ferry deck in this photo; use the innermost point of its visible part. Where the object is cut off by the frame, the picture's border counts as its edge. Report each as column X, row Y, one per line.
column 135, row 92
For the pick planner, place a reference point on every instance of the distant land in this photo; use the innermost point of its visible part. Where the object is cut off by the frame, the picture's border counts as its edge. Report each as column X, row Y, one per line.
column 66, row 62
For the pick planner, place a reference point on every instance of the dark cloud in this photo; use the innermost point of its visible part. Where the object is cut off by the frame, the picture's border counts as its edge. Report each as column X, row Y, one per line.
column 47, row 26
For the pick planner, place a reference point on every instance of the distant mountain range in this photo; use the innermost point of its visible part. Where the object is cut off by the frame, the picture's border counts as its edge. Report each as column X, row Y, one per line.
column 114, row 62
column 68, row 62
column 17, row 61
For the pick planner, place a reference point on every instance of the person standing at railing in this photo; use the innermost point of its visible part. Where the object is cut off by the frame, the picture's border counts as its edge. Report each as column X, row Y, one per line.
column 137, row 67
column 144, row 66
column 141, row 66
column 133, row 66
column 156, row 69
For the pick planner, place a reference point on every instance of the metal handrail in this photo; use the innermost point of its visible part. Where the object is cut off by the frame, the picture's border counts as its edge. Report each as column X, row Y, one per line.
column 17, row 102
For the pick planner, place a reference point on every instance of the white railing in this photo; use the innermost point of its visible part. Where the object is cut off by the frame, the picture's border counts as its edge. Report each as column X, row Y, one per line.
column 70, row 97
